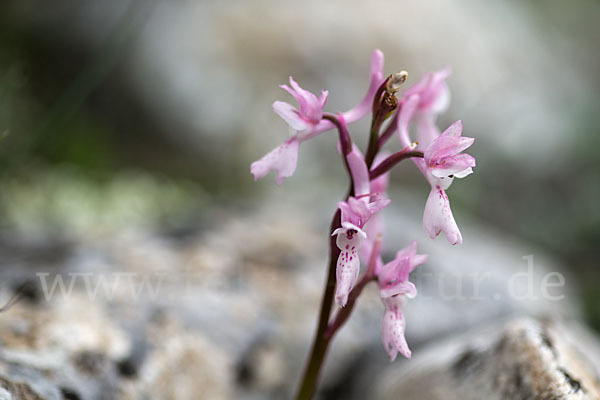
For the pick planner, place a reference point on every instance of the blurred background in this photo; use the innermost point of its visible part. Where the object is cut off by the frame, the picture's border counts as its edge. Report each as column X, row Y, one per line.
column 131, row 125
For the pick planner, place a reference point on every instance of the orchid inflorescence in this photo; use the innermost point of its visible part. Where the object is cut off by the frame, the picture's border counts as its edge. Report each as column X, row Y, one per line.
column 357, row 225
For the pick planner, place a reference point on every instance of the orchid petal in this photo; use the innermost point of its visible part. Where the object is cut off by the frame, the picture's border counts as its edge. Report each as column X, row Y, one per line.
column 459, row 166
column 427, row 130
column 304, row 97
column 444, row 147
column 290, row 115
column 393, row 276
column 406, row 113
column 464, row 173
column 454, row 130
column 323, row 98
column 359, row 171
column 311, row 107
column 433, row 92
column 378, row 205
column 299, row 98
column 359, row 211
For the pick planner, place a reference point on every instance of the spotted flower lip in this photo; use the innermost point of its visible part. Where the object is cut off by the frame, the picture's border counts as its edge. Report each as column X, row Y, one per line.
column 393, row 327
column 443, row 156
column 349, row 239
column 438, row 217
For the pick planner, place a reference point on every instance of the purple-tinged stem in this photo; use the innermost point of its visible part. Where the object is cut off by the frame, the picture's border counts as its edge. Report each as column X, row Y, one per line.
column 345, row 139
column 378, row 118
column 389, row 131
column 392, row 160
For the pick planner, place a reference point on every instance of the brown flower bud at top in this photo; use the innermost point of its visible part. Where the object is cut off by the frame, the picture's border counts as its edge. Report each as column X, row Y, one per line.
column 395, row 81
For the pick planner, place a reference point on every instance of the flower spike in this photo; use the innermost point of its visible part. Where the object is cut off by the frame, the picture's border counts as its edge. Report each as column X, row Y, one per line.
column 358, row 224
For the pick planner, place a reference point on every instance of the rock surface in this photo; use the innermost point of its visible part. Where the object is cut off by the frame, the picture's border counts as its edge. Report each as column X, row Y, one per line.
column 227, row 311
column 519, row 359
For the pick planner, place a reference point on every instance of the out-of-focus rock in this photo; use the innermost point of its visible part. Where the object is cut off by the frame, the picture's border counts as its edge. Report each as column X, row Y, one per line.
column 183, row 365
column 520, row 359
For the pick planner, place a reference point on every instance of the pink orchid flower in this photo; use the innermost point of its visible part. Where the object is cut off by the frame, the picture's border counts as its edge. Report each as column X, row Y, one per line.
column 356, row 212
column 441, row 164
column 306, row 122
column 311, row 107
column 394, row 289
column 442, row 160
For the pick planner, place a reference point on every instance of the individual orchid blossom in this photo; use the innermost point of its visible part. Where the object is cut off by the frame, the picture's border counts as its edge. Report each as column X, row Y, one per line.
column 393, row 276
column 442, row 161
column 443, row 157
column 355, row 213
column 311, row 107
column 307, row 122
column 394, row 289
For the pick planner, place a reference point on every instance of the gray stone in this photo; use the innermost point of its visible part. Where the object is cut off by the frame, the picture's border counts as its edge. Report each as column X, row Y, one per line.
column 230, row 313
column 518, row 359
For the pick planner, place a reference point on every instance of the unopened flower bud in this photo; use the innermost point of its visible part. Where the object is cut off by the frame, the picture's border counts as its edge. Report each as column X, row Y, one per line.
column 395, row 81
